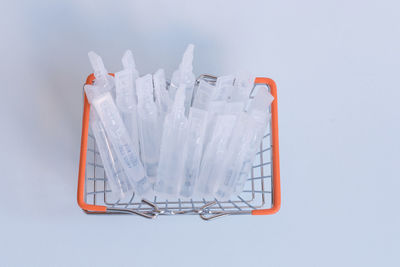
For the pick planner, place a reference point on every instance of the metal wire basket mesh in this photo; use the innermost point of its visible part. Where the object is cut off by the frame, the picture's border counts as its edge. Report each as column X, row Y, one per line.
column 259, row 195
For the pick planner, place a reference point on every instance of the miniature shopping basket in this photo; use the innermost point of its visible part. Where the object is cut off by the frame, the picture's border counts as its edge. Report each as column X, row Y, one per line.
column 261, row 195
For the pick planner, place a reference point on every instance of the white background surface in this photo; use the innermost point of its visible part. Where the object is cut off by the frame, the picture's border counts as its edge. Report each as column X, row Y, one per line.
column 336, row 64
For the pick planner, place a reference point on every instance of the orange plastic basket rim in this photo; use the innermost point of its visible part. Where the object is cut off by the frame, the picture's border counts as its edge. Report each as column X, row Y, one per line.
column 276, row 192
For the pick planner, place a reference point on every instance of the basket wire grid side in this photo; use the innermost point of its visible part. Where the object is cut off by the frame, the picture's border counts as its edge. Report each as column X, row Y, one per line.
column 256, row 194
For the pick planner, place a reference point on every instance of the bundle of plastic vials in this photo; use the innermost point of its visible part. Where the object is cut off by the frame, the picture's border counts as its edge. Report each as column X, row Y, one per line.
column 183, row 139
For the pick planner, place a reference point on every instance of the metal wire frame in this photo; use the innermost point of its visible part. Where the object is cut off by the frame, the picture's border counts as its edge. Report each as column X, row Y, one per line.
column 257, row 193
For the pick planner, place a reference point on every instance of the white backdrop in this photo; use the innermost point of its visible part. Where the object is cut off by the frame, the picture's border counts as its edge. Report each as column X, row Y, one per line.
column 336, row 64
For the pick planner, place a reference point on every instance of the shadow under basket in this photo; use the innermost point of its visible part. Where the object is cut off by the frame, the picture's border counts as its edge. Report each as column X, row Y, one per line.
column 261, row 195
